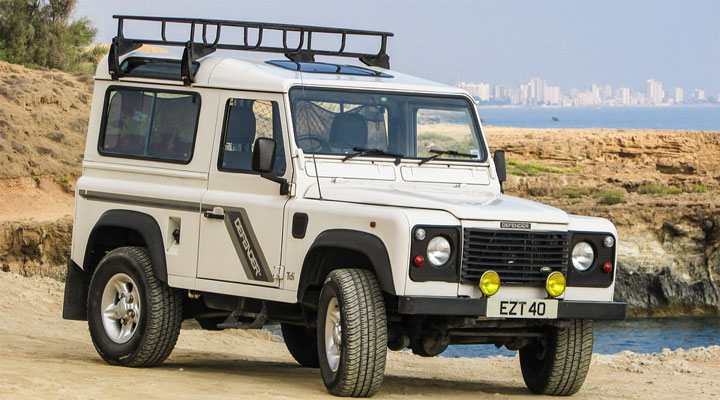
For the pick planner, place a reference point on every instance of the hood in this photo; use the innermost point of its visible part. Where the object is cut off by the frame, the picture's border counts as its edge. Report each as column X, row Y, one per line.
column 463, row 204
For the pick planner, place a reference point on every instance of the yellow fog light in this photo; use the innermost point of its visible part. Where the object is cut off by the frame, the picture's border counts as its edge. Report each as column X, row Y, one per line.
column 555, row 284
column 489, row 283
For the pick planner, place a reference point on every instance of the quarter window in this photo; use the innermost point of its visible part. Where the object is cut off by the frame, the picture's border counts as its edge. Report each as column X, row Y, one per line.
column 245, row 121
column 148, row 124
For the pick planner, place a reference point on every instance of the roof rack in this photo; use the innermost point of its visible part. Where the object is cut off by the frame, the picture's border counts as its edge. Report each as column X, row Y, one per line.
column 195, row 49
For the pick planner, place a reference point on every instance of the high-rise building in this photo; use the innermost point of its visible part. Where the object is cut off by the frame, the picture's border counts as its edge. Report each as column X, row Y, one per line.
column 699, row 95
column 678, row 95
column 552, row 95
column 595, row 93
column 479, row 90
column 654, row 92
column 622, row 96
column 537, row 90
column 524, row 95
column 606, row 93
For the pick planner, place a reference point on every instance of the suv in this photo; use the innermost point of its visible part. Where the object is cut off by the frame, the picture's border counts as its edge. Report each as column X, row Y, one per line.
column 355, row 206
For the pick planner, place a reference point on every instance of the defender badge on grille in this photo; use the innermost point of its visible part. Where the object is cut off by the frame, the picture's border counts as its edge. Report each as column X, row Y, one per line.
column 515, row 225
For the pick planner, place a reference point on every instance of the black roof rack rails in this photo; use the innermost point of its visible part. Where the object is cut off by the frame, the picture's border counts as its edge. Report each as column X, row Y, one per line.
column 195, row 50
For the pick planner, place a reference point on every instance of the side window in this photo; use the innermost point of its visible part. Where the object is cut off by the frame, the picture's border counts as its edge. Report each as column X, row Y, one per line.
column 154, row 125
column 245, row 121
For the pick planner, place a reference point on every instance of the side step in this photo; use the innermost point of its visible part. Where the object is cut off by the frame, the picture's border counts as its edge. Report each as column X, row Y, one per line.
column 233, row 320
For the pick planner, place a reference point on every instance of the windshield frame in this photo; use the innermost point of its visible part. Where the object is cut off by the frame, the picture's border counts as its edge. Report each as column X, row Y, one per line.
column 480, row 135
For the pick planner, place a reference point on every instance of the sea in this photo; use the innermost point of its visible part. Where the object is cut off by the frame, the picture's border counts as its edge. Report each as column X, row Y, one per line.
column 637, row 335
column 686, row 118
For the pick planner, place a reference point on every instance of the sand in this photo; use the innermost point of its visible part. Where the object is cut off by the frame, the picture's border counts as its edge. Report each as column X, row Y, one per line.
column 44, row 356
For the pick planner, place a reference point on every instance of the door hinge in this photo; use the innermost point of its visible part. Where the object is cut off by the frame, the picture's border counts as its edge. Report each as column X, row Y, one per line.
column 279, row 272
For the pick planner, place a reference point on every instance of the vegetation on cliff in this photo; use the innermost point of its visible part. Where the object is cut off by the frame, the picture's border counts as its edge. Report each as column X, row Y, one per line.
column 41, row 33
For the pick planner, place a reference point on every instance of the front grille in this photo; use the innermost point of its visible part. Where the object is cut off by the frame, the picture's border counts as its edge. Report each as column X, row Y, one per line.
column 517, row 256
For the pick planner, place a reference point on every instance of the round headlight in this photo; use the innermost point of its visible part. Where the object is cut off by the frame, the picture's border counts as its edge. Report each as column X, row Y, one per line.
column 582, row 256
column 438, row 251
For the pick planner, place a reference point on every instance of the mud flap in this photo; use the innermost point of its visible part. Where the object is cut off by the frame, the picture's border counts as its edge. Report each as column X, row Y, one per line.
column 77, row 283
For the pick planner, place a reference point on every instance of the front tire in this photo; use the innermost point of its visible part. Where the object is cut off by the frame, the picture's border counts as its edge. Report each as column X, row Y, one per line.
column 558, row 364
column 352, row 333
column 134, row 319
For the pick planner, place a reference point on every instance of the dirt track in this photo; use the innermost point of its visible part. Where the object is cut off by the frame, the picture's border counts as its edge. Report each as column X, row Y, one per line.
column 43, row 356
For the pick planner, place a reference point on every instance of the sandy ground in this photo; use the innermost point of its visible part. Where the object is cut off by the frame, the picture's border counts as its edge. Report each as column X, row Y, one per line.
column 43, row 356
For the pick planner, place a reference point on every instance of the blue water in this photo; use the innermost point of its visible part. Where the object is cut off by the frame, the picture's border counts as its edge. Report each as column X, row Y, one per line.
column 692, row 118
column 639, row 335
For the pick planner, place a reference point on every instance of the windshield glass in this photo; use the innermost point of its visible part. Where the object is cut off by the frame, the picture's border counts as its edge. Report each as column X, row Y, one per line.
column 339, row 122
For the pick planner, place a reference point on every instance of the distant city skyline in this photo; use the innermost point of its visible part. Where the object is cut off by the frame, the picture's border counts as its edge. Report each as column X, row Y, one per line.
column 570, row 43
column 537, row 92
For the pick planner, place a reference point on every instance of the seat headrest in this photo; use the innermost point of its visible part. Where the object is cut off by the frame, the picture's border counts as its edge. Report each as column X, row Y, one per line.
column 348, row 130
column 241, row 126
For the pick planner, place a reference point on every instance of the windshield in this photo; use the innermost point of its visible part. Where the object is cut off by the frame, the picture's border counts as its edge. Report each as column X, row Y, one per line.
column 412, row 126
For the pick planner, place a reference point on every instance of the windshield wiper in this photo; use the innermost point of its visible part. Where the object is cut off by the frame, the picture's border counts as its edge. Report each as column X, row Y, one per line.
column 362, row 151
column 438, row 153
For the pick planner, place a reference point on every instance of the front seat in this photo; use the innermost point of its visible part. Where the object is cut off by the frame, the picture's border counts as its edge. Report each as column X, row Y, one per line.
column 348, row 130
column 239, row 139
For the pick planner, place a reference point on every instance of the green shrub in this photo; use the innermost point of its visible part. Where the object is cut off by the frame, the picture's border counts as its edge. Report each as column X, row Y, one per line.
column 658, row 190
column 611, row 197
column 41, row 33
column 574, row 193
column 515, row 167
column 699, row 189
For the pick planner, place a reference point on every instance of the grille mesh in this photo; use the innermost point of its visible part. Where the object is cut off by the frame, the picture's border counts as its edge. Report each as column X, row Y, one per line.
column 517, row 256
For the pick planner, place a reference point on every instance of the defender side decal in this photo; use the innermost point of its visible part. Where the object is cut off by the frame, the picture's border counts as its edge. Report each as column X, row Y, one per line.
column 245, row 243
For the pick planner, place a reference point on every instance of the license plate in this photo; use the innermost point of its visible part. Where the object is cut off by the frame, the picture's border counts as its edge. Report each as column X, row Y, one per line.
column 537, row 309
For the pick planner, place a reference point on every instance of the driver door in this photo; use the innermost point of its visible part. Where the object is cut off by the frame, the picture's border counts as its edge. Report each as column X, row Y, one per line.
column 242, row 224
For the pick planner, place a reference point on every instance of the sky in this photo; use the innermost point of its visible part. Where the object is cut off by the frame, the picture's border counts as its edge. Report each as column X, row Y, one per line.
column 568, row 43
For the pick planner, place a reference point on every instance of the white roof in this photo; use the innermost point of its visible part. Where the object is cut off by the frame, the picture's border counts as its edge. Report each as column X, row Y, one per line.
column 250, row 74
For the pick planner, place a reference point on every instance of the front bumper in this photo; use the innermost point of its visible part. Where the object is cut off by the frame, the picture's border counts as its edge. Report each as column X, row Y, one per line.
column 465, row 307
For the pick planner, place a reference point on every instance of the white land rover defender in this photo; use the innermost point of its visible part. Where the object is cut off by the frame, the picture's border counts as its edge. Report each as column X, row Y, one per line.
column 357, row 207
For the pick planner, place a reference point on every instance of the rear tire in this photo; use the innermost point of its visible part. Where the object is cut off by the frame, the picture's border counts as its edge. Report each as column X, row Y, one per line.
column 134, row 319
column 557, row 365
column 352, row 333
column 301, row 342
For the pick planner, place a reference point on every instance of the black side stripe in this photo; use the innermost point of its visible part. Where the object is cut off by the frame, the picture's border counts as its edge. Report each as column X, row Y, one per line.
column 140, row 201
column 246, row 245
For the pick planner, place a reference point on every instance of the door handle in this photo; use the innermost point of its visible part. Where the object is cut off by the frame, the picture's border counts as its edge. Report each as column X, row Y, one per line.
column 216, row 213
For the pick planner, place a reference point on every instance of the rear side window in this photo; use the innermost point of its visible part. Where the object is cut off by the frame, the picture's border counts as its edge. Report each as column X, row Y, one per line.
column 150, row 124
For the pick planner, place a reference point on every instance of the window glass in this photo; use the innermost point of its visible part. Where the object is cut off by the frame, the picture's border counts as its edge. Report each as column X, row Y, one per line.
column 245, row 121
column 150, row 124
column 413, row 126
column 440, row 129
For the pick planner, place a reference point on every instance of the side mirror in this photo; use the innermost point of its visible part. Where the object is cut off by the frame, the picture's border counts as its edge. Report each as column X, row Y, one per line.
column 500, row 167
column 263, row 159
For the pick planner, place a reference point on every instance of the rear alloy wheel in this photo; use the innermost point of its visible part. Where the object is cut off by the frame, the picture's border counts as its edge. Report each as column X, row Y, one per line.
column 134, row 319
column 352, row 333
column 558, row 364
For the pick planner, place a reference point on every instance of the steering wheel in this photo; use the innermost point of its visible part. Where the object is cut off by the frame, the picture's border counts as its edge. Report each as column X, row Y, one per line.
column 321, row 145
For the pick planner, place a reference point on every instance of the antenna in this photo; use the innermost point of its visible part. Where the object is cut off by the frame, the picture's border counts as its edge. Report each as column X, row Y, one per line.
column 312, row 146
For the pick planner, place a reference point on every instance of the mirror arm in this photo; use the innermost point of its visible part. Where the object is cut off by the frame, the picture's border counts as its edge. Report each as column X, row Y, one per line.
column 284, row 185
